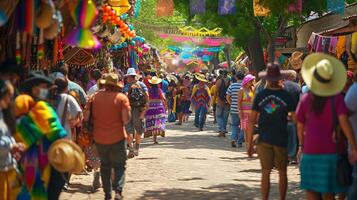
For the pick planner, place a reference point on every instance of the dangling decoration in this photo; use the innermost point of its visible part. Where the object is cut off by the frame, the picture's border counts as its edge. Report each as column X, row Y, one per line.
column 27, row 13
column 40, row 49
column 3, row 18
column 296, row 7
column 227, row 7
column 164, row 8
column 259, row 10
column 120, row 6
column 137, row 8
column 43, row 18
column 18, row 48
column 336, row 6
column 84, row 16
column 197, row 7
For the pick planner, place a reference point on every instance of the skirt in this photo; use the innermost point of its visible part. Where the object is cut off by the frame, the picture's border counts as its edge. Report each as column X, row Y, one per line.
column 155, row 117
column 319, row 173
column 92, row 157
column 245, row 120
column 10, row 184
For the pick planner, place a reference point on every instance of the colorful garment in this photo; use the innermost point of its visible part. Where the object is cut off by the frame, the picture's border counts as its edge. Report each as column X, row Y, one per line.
column 10, row 184
column 37, row 130
column 246, row 107
column 156, row 114
column 92, row 157
column 201, row 97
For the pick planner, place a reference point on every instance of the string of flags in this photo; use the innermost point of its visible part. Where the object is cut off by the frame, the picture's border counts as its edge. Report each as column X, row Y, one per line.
column 165, row 8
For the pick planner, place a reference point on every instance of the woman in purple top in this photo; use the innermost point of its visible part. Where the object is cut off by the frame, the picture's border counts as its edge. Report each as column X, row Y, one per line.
column 325, row 76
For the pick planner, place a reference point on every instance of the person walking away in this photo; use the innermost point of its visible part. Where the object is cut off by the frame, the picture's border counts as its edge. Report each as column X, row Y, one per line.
column 351, row 103
column 68, row 111
column 245, row 102
column 213, row 91
column 222, row 109
column 200, row 99
column 295, row 90
column 43, row 128
column 110, row 113
column 137, row 93
column 156, row 113
column 179, row 101
column 9, row 150
column 93, row 84
column 273, row 105
column 318, row 114
column 232, row 99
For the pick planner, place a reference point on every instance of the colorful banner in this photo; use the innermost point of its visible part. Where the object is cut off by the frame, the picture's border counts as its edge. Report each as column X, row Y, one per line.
column 336, row 6
column 215, row 41
column 296, row 7
column 259, row 10
column 164, row 8
column 227, row 7
column 197, row 7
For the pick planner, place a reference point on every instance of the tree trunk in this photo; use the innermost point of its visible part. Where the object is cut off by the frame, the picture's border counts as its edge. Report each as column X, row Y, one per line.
column 255, row 52
column 227, row 54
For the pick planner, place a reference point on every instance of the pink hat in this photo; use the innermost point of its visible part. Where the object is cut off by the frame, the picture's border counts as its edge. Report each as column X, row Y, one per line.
column 247, row 79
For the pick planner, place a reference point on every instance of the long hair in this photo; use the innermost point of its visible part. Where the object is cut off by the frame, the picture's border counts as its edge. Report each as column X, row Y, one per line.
column 8, row 113
column 318, row 103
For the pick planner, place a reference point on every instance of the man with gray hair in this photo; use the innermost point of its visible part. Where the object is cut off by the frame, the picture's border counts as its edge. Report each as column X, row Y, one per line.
column 294, row 90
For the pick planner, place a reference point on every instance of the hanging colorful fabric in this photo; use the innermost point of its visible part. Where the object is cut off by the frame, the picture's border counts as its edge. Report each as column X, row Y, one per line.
column 296, row 7
column 137, row 8
column 164, row 8
column 197, row 7
column 18, row 48
column 260, row 10
column 84, row 15
column 27, row 13
column 336, row 6
column 227, row 7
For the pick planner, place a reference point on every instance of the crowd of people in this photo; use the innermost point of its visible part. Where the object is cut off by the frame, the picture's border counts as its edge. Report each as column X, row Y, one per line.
column 305, row 115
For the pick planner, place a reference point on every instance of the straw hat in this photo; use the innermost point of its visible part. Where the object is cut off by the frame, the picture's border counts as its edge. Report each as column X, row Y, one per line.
column 43, row 18
column 273, row 73
column 201, row 77
column 111, row 80
column 66, row 156
column 155, row 80
column 296, row 60
column 35, row 78
column 324, row 74
column 248, row 78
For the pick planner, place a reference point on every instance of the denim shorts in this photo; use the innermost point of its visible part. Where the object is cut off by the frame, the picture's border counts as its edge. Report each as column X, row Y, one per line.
column 135, row 125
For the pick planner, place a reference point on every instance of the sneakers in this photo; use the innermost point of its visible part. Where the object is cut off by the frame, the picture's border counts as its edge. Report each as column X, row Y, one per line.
column 118, row 196
column 131, row 153
column 240, row 145
column 136, row 149
column 233, row 144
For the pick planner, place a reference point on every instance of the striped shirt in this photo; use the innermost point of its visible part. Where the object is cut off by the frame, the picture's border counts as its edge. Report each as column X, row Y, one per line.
column 233, row 93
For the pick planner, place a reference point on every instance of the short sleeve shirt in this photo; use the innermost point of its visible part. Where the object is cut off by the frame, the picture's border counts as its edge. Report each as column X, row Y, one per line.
column 351, row 103
column 319, row 126
column 233, row 93
column 273, row 107
column 107, row 118
column 73, row 109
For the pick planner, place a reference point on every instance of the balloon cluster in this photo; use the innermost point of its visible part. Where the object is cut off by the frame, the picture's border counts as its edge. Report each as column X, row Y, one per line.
column 139, row 39
column 120, row 46
column 111, row 15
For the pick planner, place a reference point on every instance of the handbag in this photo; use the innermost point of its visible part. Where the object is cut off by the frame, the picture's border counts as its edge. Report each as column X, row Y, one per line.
column 85, row 138
column 171, row 117
column 344, row 169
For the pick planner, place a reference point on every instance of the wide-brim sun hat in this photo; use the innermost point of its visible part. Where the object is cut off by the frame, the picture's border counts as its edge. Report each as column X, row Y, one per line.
column 155, row 80
column 201, row 77
column 111, row 80
column 296, row 60
column 33, row 79
column 248, row 78
column 325, row 75
column 131, row 72
column 66, row 156
column 273, row 73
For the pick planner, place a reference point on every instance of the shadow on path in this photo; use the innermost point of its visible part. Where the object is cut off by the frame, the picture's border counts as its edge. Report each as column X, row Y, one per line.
column 219, row 192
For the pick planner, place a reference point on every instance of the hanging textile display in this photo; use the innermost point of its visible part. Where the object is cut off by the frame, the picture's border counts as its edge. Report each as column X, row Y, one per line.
column 227, row 7
column 336, row 6
column 325, row 44
column 197, row 7
column 164, row 8
column 27, row 16
column 259, row 10
column 296, row 7
column 137, row 8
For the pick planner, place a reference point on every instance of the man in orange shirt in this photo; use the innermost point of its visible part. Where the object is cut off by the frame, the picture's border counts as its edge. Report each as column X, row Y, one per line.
column 110, row 113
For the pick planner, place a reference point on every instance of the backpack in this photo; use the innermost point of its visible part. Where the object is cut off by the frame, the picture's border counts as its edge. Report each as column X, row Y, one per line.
column 136, row 96
column 222, row 90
